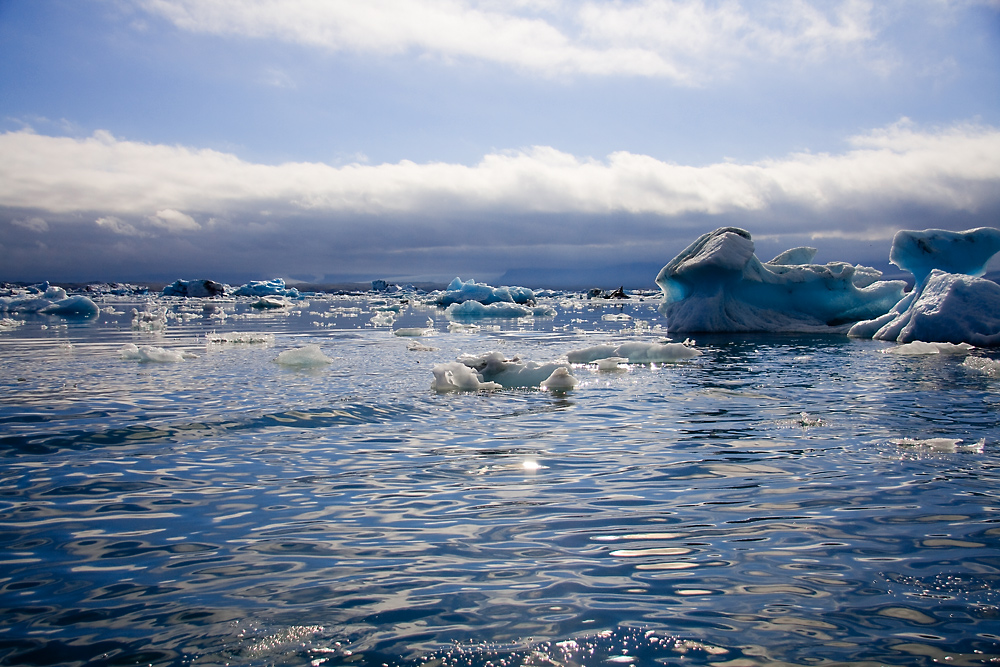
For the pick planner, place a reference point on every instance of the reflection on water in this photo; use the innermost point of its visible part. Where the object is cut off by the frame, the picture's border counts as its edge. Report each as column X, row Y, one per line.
column 746, row 507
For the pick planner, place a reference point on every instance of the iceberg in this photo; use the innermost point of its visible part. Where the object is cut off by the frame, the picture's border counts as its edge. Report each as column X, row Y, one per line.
column 476, row 309
column 949, row 302
column 72, row 306
column 264, row 288
column 470, row 290
column 717, row 284
column 194, row 288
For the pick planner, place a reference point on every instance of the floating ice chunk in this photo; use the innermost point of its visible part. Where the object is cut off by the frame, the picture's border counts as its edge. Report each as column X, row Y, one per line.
column 986, row 366
column 636, row 352
column 194, row 288
column 611, row 363
column 968, row 252
column 560, row 380
column 946, row 307
column 941, row 444
column 718, row 284
column 475, row 309
column 72, row 306
column 7, row 323
column 470, row 290
column 132, row 352
column 240, row 337
column 308, row 355
column 271, row 303
column 414, row 346
column 383, row 319
column 456, row 376
column 919, row 347
column 509, row 373
column 411, row 332
column 149, row 319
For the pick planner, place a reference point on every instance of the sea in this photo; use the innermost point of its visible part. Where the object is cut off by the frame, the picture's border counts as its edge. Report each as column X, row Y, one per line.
column 781, row 499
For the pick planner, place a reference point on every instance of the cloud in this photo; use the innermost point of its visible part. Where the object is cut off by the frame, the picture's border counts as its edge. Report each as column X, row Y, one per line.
column 35, row 224
column 135, row 186
column 117, row 226
column 682, row 40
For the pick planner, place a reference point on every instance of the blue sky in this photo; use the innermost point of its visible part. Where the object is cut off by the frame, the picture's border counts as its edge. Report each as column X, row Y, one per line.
column 323, row 140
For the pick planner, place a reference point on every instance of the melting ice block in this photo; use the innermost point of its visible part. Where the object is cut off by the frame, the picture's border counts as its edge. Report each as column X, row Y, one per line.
column 949, row 303
column 717, row 284
column 470, row 290
column 493, row 371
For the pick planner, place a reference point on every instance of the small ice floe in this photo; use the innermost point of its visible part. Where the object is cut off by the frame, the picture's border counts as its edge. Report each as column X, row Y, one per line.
column 132, row 352
column 949, row 445
column 8, row 323
column 459, row 327
column 271, row 302
column 983, row 365
column 456, row 376
column 611, row 364
column 919, row 347
column 414, row 346
column 383, row 318
column 412, row 332
column 636, row 352
column 239, row 338
column 308, row 355
column 149, row 319
column 559, row 380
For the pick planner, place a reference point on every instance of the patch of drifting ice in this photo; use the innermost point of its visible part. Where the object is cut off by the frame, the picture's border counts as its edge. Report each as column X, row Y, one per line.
column 144, row 353
column 983, row 365
column 475, row 309
column 8, row 323
column 456, row 376
column 309, row 355
column 919, row 347
column 941, row 444
column 636, row 352
column 240, row 338
column 611, row 363
column 559, row 380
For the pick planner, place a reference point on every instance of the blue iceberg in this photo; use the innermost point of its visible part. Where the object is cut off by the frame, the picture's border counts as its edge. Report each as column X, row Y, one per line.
column 274, row 287
column 949, row 302
column 470, row 290
column 717, row 284
column 194, row 288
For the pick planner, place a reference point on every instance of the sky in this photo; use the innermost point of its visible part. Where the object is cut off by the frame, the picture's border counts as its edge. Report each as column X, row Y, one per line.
column 568, row 141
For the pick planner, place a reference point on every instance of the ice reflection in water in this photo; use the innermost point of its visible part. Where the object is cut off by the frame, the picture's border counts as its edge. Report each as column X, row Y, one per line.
column 745, row 507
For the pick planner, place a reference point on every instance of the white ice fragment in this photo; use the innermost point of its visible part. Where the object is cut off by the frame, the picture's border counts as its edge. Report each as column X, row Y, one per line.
column 559, row 380
column 9, row 323
column 240, row 337
column 456, row 376
column 271, row 302
column 144, row 353
column 149, row 319
column 383, row 318
column 611, row 363
column 919, row 347
column 941, row 444
column 989, row 367
column 406, row 332
column 636, row 352
column 308, row 355
column 718, row 284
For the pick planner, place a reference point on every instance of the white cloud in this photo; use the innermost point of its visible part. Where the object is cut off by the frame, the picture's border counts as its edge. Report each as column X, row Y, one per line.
column 35, row 224
column 683, row 40
column 174, row 221
column 134, row 185
column 117, row 226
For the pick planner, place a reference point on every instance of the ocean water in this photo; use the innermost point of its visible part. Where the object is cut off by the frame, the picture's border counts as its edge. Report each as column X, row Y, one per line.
column 767, row 502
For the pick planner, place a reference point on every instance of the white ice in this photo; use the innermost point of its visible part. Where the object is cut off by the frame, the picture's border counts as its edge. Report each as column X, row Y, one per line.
column 194, row 288
column 717, row 284
column 919, row 347
column 308, row 355
column 493, row 371
column 988, row 367
column 274, row 287
column 53, row 301
column 560, row 380
column 144, row 353
column 635, row 352
column 949, row 445
column 456, row 376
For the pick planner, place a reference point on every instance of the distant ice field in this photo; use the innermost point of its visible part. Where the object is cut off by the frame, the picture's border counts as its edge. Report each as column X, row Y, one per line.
column 171, row 493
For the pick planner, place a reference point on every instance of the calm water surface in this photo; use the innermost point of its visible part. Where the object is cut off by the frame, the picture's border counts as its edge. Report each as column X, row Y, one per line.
column 746, row 507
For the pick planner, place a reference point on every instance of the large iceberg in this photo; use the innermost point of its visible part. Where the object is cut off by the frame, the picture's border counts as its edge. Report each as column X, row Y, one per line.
column 949, row 303
column 717, row 284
